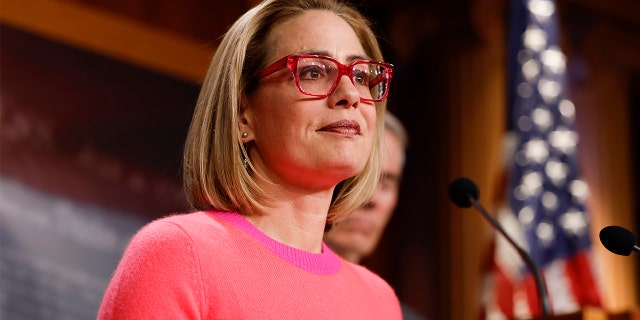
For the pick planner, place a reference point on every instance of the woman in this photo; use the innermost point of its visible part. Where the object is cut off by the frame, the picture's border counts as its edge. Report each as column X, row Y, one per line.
column 283, row 138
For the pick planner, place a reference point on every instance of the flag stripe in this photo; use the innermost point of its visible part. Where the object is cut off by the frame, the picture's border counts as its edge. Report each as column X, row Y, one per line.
column 583, row 282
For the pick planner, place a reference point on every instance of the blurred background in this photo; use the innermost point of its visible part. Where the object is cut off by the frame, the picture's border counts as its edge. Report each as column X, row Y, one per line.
column 96, row 97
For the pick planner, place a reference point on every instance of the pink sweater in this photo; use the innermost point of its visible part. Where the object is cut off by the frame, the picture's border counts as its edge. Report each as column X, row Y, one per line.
column 216, row 265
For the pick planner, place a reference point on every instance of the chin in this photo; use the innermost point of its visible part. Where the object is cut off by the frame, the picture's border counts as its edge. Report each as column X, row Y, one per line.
column 348, row 163
column 363, row 250
column 344, row 173
column 349, row 244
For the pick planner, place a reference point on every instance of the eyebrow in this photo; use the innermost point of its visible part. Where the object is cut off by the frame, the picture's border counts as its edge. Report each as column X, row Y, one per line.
column 326, row 53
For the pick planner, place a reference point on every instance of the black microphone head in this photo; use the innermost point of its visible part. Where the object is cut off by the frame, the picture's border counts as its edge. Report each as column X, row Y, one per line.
column 618, row 240
column 460, row 190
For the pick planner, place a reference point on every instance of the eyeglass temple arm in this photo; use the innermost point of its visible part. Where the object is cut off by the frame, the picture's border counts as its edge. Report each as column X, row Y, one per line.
column 378, row 79
column 280, row 64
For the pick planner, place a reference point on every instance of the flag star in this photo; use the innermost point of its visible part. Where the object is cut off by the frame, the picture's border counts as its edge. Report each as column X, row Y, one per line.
column 541, row 9
column 557, row 172
column 564, row 140
column 524, row 56
column 545, row 233
column 553, row 60
column 531, row 70
column 573, row 222
column 536, row 150
column 526, row 216
column 535, row 38
column 524, row 123
column 579, row 190
column 525, row 90
column 549, row 200
column 542, row 118
column 568, row 110
column 549, row 89
column 531, row 186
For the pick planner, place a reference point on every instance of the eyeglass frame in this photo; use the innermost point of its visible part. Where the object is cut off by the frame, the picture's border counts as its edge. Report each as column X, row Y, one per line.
column 291, row 62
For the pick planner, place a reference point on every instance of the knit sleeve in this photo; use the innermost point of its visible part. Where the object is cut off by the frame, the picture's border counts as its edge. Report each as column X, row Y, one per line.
column 158, row 277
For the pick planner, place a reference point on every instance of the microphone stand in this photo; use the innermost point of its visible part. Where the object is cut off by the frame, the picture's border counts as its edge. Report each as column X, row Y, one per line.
column 542, row 289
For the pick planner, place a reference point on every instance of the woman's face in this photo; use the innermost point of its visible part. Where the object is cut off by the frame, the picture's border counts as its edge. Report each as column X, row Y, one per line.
column 301, row 140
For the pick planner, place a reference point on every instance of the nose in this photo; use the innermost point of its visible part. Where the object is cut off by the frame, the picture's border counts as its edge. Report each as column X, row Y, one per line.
column 346, row 95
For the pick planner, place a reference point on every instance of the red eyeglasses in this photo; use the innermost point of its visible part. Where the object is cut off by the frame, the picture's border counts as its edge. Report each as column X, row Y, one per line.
column 318, row 76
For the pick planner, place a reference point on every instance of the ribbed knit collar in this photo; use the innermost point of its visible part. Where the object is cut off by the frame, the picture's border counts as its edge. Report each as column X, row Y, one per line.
column 325, row 263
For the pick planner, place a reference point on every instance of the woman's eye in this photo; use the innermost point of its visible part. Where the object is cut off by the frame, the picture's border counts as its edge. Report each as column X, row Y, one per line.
column 360, row 77
column 312, row 72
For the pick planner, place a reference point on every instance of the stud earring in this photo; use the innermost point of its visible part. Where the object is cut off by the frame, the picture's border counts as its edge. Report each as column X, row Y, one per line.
column 244, row 135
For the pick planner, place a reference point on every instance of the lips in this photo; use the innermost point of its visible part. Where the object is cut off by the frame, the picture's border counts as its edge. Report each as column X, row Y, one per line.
column 344, row 127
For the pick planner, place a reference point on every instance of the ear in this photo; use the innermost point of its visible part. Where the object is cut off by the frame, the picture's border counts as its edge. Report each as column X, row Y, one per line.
column 245, row 120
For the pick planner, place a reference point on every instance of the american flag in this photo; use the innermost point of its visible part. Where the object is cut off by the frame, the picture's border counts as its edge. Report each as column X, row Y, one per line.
column 545, row 201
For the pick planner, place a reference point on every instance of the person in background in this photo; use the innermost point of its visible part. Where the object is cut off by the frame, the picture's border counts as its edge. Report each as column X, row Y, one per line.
column 357, row 236
column 285, row 138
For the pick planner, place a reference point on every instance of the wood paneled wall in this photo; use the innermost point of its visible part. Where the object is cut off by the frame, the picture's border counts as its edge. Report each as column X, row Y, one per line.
column 604, row 60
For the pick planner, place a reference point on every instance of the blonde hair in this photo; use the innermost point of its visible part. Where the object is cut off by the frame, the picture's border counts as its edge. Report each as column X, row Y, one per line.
column 214, row 173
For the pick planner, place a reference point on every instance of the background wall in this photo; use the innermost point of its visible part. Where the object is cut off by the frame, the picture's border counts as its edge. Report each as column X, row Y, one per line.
column 96, row 97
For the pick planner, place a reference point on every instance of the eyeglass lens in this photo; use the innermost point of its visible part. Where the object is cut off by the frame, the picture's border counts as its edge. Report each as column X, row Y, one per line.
column 318, row 76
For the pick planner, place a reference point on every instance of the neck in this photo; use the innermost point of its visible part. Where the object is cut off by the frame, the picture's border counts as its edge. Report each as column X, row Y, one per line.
column 297, row 221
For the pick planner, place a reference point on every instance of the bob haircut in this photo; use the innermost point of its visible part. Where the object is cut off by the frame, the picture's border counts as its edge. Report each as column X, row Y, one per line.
column 215, row 172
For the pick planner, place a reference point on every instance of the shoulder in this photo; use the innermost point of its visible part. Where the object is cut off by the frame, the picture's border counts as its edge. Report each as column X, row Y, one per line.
column 180, row 227
column 187, row 221
column 179, row 234
column 366, row 275
column 163, row 259
column 369, row 289
column 371, row 280
column 160, row 237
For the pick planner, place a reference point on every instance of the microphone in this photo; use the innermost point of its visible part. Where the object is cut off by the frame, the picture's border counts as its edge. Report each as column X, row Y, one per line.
column 618, row 240
column 464, row 193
